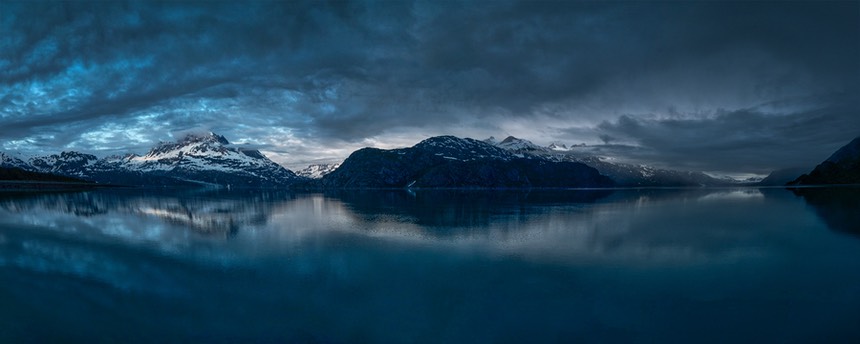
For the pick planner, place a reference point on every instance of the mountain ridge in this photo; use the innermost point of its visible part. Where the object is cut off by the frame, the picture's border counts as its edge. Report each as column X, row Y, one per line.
column 439, row 161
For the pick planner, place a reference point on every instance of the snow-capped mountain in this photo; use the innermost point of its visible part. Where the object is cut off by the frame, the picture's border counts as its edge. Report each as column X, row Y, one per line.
column 623, row 174
column 317, row 171
column 194, row 159
column 209, row 159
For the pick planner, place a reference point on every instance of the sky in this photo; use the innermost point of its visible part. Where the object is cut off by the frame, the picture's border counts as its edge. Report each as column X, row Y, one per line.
column 722, row 87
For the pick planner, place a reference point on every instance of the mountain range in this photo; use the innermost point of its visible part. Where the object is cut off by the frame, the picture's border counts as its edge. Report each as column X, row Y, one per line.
column 448, row 161
column 627, row 175
column 206, row 159
column 436, row 162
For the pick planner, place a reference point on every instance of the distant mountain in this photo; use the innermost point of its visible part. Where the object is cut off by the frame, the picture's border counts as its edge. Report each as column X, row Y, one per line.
column 448, row 161
column 317, row 171
column 843, row 167
column 782, row 176
column 622, row 174
column 207, row 159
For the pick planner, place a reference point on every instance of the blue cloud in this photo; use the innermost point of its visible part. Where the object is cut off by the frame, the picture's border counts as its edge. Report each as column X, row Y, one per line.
column 325, row 78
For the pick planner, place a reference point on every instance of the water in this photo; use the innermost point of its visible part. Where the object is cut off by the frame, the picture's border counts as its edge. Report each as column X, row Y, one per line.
column 685, row 265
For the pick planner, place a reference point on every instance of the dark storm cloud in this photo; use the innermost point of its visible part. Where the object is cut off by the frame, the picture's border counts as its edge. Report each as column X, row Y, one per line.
column 746, row 140
column 301, row 77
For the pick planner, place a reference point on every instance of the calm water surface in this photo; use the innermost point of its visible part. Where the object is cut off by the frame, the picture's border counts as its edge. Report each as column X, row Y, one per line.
column 689, row 265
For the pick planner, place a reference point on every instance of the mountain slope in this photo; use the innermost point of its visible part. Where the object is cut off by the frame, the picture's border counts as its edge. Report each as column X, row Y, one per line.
column 447, row 161
column 843, row 167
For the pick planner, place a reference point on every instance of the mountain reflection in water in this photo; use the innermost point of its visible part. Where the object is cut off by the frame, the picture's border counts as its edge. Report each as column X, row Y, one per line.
column 839, row 207
column 430, row 266
column 212, row 213
column 599, row 219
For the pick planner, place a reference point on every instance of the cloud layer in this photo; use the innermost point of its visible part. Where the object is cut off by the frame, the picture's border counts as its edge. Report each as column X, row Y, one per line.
column 743, row 87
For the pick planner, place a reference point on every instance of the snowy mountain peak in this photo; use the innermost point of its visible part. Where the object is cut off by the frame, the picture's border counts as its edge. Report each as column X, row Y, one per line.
column 209, row 144
column 210, row 137
column 195, row 147
column 514, row 144
column 200, row 157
